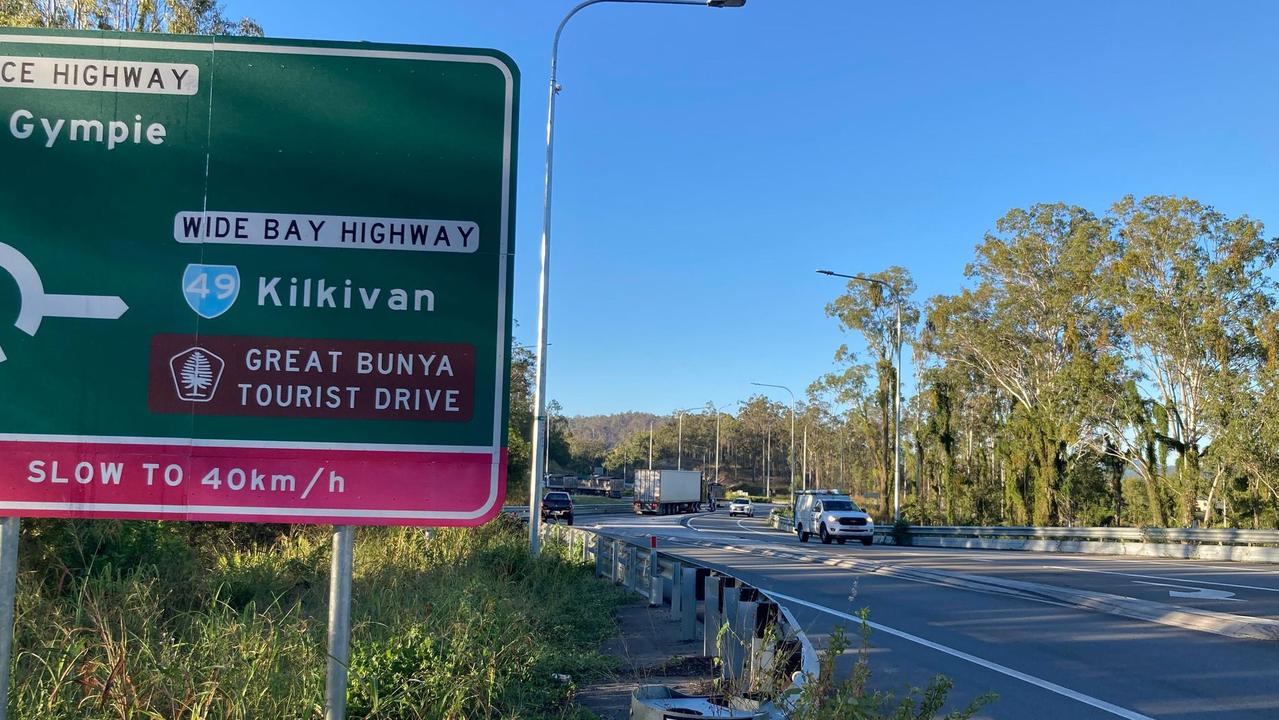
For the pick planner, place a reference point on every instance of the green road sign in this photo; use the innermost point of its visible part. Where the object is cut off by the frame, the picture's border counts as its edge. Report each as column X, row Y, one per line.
column 254, row 279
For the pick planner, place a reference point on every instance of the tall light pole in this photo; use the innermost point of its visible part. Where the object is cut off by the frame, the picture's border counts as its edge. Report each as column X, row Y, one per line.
column 539, row 394
column 897, row 387
column 792, row 436
column 650, row 444
column 718, row 412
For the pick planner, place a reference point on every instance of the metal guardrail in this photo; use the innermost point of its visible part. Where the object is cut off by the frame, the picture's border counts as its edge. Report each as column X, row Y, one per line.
column 700, row 597
column 521, row 511
column 1199, row 543
column 1110, row 534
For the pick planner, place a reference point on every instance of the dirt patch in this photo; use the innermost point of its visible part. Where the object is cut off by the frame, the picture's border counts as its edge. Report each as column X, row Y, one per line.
column 649, row 652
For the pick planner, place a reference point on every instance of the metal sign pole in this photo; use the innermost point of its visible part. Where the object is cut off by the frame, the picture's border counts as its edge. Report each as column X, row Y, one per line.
column 8, row 592
column 339, row 622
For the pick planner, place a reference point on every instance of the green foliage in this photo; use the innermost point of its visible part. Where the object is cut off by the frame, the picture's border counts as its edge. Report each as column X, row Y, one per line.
column 1101, row 369
column 188, row 17
column 461, row 624
column 901, row 531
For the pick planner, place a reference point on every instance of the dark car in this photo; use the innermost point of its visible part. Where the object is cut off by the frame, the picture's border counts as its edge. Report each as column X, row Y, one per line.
column 557, row 505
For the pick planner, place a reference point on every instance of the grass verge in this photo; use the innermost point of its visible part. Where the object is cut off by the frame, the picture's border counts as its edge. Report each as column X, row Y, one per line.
column 168, row 620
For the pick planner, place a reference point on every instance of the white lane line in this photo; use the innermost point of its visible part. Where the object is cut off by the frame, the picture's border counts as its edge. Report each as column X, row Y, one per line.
column 694, row 528
column 989, row 665
column 1162, row 577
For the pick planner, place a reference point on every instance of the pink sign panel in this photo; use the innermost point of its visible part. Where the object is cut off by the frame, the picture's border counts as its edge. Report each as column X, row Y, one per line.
column 260, row 485
column 184, row 482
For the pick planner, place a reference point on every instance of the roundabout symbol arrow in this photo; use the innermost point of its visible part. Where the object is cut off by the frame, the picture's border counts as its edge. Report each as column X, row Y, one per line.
column 36, row 305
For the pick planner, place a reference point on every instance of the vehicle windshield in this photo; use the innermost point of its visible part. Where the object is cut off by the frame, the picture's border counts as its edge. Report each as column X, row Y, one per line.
column 557, row 496
column 840, row 505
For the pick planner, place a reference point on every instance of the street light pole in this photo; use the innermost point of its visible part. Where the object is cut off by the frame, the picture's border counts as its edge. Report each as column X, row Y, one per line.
column 679, row 443
column 792, row 436
column 543, row 289
column 897, row 388
column 650, row 444
column 718, row 412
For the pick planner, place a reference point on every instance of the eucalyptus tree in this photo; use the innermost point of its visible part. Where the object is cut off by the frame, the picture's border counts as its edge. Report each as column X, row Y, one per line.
column 870, row 307
column 204, row 17
column 866, row 396
column 1037, row 327
column 1193, row 286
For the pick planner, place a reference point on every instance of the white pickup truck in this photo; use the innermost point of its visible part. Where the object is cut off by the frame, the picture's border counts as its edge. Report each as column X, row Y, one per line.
column 831, row 515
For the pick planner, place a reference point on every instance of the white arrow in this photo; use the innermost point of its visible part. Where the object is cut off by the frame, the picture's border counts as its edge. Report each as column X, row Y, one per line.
column 36, row 305
column 1194, row 592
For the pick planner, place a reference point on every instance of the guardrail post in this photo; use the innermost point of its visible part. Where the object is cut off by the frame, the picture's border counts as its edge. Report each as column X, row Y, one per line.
column 599, row 557
column 613, row 560
column 688, row 605
column 713, row 584
column 731, row 648
column 655, row 594
column 656, row 591
column 763, row 647
column 633, row 568
column 677, row 587
column 744, row 660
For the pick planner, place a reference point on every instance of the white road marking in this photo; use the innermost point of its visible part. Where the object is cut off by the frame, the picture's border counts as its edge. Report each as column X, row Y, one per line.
column 1194, row 593
column 1161, row 577
column 694, row 528
column 982, row 662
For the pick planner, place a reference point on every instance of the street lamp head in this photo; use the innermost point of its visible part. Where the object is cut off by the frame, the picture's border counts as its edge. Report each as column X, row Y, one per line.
column 725, row 3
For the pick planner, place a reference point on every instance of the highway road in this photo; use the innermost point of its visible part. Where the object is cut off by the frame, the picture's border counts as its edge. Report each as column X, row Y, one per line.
column 1045, row 661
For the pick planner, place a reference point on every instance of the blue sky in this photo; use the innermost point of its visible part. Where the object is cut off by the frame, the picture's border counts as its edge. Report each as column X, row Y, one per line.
column 707, row 161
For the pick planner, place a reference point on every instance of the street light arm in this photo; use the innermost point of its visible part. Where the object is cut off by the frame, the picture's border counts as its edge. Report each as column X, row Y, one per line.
column 555, row 44
column 863, row 278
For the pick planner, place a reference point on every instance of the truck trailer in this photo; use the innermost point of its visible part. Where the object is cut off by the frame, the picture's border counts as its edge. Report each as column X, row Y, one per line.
column 665, row 492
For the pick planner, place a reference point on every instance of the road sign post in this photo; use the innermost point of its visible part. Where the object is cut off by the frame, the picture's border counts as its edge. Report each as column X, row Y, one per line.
column 283, row 294
column 339, row 622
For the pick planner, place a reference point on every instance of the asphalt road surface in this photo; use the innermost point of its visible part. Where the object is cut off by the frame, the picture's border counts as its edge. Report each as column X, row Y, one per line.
column 1044, row 661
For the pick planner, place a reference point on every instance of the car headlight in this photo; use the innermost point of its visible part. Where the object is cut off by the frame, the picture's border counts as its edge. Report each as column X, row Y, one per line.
column 830, row 518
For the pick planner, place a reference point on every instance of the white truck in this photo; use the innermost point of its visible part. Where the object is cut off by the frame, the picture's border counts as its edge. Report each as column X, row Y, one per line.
column 665, row 492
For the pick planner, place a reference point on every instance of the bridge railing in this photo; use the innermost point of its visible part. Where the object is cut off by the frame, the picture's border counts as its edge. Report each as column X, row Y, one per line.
column 1198, row 543
column 1223, row 536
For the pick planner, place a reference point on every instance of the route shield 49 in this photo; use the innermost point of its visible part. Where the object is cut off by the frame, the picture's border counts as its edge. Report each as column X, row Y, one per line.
column 254, row 280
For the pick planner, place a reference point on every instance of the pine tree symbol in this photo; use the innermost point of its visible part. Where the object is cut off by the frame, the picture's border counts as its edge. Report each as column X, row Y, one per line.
column 197, row 373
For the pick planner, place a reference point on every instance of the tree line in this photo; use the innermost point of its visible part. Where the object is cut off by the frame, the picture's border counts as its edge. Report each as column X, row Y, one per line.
column 1119, row 368
column 202, row 17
